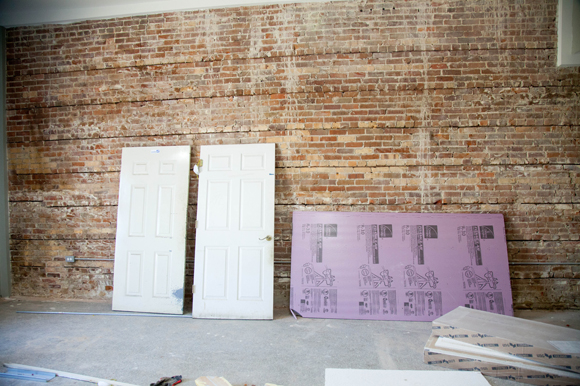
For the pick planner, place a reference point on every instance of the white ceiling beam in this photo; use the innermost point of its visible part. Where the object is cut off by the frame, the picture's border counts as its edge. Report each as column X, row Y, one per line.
column 14, row 13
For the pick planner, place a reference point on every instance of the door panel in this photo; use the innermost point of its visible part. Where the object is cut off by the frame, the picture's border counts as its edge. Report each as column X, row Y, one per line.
column 162, row 270
column 137, row 216
column 151, row 228
column 234, row 256
column 253, row 162
column 219, row 162
column 134, row 273
column 252, row 205
column 250, row 277
column 218, row 205
column 165, row 211
column 216, row 270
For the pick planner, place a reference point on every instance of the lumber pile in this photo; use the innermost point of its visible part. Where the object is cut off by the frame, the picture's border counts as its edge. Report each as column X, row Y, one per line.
column 505, row 347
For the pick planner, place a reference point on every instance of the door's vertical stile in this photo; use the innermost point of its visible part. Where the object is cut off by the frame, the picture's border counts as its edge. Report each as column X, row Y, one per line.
column 237, row 186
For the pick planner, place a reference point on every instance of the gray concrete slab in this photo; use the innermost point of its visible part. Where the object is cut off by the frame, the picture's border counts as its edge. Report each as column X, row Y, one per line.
column 140, row 350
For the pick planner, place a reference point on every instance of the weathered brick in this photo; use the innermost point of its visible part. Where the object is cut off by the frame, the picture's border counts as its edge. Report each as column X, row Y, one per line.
column 401, row 107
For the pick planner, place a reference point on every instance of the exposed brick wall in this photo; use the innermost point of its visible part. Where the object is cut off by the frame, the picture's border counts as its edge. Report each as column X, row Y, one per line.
column 397, row 106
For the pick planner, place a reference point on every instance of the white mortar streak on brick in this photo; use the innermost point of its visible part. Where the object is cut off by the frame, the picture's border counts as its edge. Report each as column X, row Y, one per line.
column 209, row 25
column 182, row 31
column 425, row 115
column 256, row 76
column 498, row 20
column 284, row 34
column 292, row 77
column 292, row 80
column 256, row 36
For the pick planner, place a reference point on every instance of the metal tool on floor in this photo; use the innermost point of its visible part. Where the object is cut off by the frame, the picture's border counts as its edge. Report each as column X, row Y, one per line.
column 168, row 381
column 28, row 375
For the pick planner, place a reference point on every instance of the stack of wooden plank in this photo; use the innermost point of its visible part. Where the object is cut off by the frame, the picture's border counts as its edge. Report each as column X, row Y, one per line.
column 505, row 347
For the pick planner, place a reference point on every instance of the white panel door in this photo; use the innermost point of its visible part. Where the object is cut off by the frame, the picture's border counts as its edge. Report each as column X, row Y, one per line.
column 151, row 230
column 234, row 247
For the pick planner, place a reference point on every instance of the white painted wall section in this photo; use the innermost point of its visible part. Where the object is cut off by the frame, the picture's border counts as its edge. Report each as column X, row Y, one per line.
column 35, row 12
column 569, row 33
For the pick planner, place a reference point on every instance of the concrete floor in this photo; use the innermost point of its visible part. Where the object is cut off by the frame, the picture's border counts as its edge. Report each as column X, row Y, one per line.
column 140, row 350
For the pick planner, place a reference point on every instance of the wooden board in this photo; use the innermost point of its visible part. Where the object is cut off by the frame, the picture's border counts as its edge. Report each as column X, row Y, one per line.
column 350, row 377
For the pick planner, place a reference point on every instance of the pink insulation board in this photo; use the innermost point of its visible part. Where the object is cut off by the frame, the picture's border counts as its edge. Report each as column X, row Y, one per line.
column 398, row 266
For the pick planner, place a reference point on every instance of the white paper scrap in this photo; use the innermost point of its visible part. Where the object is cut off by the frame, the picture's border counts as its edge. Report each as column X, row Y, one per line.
column 349, row 377
column 566, row 346
column 467, row 348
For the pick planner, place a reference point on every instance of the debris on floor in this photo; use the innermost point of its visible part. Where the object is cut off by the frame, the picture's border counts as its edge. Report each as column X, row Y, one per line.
column 348, row 377
column 168, row 381
column 212, row 381
column 505, row 347
column 28, row 375
column 63, row 374
column 114, row 313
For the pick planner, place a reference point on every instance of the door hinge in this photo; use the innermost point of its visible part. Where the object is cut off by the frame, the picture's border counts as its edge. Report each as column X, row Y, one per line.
column 196, row 167
column 196, row 223
column 193, row 289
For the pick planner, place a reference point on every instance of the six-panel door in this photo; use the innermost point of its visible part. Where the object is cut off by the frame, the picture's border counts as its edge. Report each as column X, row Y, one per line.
column 234, row 253
column 151, row 229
